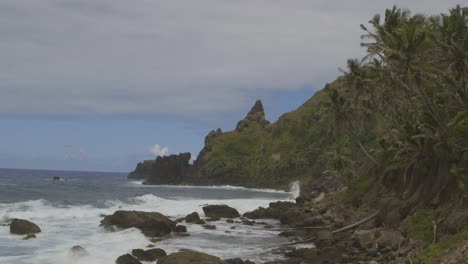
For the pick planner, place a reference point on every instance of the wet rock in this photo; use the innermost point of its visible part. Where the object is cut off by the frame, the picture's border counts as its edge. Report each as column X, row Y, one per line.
column 200, row 222
column 143, row 255
column 29, row 236
column 190, row 257
column 192, row 218
column 157, row 253
column 23, row 227
column 78, row 252
column 209, row 227
column 220, row 211
column 247, row 222
column 237, row 261
column 212, row 219
column 230, row 221
column 56, row 178
column 127, row 259
column 152, row 224
column 180, row 229
column 274, row 211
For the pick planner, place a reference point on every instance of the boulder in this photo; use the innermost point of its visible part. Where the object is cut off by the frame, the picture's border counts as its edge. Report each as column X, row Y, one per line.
column 23, row 227
column 152, row 224
column 157, row 253
column 237, row 261
column 78, row 252
column 274, row 211
column 192, row 218
column 29, row 236
column 364, row 238
column 56, row 178
column 220, row 211
column 190, row 257
column 127, row 259
column 209, row 227
column 180, row 229
column 143, row 255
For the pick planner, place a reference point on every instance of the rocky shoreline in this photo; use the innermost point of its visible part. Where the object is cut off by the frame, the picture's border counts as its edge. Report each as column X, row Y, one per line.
column 320, row 228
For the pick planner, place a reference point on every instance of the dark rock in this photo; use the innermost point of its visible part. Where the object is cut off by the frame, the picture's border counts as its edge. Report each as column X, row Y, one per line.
column 192, row 218
column 142, row 170
column 29, row 236
column 171, row 169
column 274, row 211
column 212, row 219
column 152, row 224
column 200, row 222
column 255, row 115
column 56, row 178
column 143, row 255
column 230, row 221
column 23, row 227
column 157, row 253
column 209, row 227
column 190, row 257
column 78, row 252
column 220, row 211
column 247, row 222
column 180, row 229
column 237, row 261
column 127, row 259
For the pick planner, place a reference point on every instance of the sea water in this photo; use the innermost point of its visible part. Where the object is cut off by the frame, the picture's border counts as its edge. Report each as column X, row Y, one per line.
column 69, row 211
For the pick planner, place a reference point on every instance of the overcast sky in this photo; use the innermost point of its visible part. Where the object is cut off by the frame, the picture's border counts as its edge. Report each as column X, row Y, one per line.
column 96, row 84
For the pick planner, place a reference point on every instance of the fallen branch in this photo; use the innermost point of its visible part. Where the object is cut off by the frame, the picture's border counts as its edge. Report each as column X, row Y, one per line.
column 299, row 227
column 300, row 242
column 365, row 220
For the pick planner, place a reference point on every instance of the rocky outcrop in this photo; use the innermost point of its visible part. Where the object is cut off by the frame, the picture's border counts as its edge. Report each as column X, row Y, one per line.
column 78, row 252
column 23, row 227
column 220, row 211
column 148, row 255
column 190, row 257
column 274, row 211
column 127, row 259
column 152, row 224
column 171, row 169
column 256, row 115
column 142, row 170
column 192, row 218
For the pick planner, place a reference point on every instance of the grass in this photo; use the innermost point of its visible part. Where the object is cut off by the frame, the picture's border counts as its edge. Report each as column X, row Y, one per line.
column 421, row 226
column 430, row 253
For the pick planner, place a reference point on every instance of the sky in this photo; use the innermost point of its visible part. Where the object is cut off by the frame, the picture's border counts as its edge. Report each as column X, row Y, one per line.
column 102, row 84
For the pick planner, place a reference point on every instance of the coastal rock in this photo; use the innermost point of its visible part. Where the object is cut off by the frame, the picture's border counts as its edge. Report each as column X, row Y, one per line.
column 237, row 261
column 157, row 253
column 192, row 218
column 180, row 229
column 220, row 211
column 142, row 170
column 152, row 224
column 209, row 227
column 274, row 211
column 56, row 178
column 78, row 252
column 190, row 257
column 23, row 227
column 127, row 259
column 141, row 255
column 29, row 236
column 171, row 169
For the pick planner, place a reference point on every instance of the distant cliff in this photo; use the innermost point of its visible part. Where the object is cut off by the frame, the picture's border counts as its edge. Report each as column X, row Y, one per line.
column 173, row 169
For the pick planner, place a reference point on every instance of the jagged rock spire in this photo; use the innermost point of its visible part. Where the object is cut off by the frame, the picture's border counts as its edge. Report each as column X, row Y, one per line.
column 256, row 114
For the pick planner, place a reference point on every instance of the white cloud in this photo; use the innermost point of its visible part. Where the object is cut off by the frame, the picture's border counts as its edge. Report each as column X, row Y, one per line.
column 157, row 150
column 176, row 57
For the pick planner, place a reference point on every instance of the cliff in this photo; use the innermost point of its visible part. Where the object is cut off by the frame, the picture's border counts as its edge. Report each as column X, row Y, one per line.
column 173, row 169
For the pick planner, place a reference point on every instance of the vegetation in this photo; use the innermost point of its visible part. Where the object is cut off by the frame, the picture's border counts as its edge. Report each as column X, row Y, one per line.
column 399, row 115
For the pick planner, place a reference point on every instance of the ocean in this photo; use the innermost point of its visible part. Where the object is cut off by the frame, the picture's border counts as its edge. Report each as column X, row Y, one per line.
column 69, row 211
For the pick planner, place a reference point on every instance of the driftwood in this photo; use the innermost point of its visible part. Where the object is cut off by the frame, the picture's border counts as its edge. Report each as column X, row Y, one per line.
column 310, row 239
column 299, row 227
column 365, row 220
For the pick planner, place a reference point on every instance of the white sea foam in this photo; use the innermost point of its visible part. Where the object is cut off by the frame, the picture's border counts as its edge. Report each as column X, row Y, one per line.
column 64, row 226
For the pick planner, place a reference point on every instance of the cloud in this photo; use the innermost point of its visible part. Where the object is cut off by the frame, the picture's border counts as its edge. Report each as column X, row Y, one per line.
column 172, row 57
column 157, row 150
